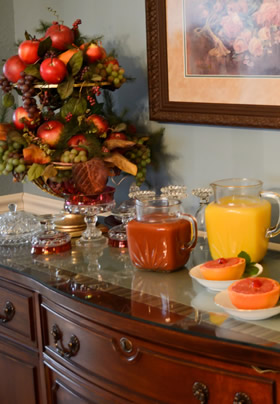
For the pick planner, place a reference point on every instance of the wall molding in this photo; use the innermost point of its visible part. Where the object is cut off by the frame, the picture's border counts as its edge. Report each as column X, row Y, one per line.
column 36, row 204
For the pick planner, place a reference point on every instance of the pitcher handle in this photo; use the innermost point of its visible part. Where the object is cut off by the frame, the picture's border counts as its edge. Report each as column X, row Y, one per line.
column 275, row 230
column 193, row 222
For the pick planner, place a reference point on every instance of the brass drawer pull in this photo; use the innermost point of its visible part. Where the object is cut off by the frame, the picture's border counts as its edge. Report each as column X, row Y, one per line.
column 200, row 392
column 242, row 398
column 9, row 312
column 73, row 344
column 126, row 345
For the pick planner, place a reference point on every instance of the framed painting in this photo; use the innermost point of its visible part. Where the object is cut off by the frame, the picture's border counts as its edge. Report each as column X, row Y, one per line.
column 214, row 62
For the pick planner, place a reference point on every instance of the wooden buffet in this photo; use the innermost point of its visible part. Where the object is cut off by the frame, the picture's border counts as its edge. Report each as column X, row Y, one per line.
column 86, row 327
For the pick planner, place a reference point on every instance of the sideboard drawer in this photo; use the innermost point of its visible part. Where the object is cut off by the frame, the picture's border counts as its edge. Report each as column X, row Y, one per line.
column 107, row 357
column 17, row 317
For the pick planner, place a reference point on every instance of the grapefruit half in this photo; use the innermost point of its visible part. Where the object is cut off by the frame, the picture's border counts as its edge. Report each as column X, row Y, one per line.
column 254, row 293
column 223, row 269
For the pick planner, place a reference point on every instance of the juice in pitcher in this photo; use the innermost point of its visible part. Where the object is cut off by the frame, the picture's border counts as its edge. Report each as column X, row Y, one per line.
column 162, row 236
column 239, row 219
column 238, row 224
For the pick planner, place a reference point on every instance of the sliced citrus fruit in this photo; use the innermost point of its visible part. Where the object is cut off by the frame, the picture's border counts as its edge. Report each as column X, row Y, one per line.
column 254, row 293
column 223, row 269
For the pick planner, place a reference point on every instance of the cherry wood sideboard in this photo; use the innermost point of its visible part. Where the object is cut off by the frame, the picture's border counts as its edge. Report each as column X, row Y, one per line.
column 86, row 327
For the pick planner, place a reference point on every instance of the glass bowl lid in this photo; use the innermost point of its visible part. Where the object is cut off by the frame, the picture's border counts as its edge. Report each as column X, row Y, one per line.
column 17, row 228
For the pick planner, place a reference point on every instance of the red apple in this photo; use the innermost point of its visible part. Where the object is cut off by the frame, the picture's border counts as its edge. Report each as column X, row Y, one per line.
column 99, row 122
column 53, row 70
column 60, row 35
column 77, row 140
column 28, row 51
column 21, row 119
column 50, row 132
column 94, row 52
column 13, row 67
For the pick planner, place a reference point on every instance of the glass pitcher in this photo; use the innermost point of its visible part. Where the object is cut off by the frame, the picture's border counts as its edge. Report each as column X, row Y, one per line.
column 162, row 236
column 239, row 218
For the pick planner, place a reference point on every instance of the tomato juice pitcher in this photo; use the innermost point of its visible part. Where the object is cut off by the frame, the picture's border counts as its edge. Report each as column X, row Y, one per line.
column 162, row 236
column 239, row 219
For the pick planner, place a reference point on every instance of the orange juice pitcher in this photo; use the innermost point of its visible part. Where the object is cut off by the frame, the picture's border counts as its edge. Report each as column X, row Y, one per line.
column 162, row 236
column 239, row 218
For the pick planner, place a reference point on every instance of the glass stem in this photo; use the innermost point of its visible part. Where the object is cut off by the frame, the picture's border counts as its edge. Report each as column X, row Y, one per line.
column 91, row 232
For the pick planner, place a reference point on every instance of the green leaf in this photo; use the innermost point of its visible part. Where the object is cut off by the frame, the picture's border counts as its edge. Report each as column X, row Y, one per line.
column 65, row 89
column 33, row 70
column 8, row 100
column 75, row 106
column 35, row 171
column 75, row 63
column 250, row 270
column 247, row 257
column 44, row 46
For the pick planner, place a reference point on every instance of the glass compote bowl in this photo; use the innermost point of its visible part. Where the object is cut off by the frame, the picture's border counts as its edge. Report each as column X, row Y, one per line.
column 126, row 212
column 90, row 206
column 50, row 240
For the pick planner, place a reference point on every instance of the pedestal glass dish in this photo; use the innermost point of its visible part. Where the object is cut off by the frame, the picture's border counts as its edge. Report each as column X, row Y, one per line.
column 90, row 206
column 50, row 240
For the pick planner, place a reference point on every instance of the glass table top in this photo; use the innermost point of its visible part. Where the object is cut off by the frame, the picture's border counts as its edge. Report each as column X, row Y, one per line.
column 105, row 277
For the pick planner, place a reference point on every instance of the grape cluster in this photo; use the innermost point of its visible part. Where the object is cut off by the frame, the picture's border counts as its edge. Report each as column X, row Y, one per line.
column 73, row 156
column 111, row 72
column 141, row 156
column 11, row 159
column 26, row 86
column 5, row 85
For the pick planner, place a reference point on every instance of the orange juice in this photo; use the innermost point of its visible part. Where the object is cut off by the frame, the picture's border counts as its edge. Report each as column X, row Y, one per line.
column 237, row 223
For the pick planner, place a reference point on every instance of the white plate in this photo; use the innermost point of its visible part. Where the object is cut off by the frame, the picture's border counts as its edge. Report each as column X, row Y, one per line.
column 217, row 286
column 222, row 300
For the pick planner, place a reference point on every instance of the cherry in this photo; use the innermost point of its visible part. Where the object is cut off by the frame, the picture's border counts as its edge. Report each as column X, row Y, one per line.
column 222, row 261
column 256, row 283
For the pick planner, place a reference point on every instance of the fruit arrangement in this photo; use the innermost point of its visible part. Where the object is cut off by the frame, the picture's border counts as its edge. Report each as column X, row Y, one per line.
column 62, row 132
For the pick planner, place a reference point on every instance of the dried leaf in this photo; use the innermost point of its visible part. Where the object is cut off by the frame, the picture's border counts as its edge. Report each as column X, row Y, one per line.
column 50, row 171
column 122, row 163
column 114, row 143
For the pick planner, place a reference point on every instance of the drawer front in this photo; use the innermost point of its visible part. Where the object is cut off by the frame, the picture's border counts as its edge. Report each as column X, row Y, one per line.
column 132, row 365
column 17, row 316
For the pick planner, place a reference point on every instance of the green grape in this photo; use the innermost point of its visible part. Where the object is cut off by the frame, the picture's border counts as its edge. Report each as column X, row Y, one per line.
column 83, row 159
column 82, row 153
column 1, row 150
column 114, row 74
column 21, row 161
column 9, row 167
column 74, row 152
column 77, row 159
column 15, row 162
column 116, row 81
column 2, row 166
column 20, row 168
column 16, row 145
